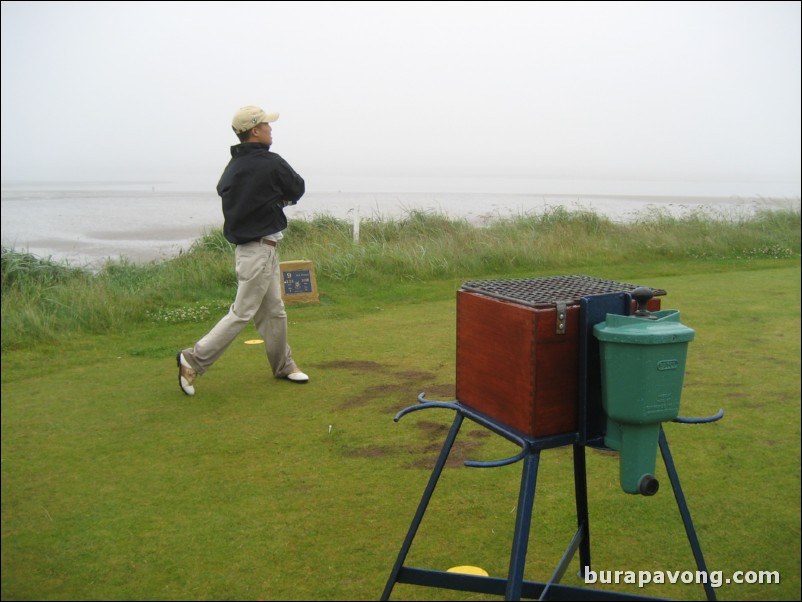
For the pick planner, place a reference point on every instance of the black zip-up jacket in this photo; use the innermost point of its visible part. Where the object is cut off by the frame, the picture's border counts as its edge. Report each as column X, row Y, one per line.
column 255, row 186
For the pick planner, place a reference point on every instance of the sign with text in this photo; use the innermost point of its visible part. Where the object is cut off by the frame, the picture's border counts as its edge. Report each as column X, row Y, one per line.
column 299, row 283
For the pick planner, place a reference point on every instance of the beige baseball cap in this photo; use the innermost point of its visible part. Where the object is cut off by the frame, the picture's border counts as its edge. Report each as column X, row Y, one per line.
column 249, row 117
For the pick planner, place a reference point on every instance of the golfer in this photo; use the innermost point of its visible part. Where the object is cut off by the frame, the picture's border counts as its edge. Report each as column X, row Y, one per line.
column 255, row 187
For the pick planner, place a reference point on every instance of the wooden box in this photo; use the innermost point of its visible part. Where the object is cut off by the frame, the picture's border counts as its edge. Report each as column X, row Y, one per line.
column 518, row 352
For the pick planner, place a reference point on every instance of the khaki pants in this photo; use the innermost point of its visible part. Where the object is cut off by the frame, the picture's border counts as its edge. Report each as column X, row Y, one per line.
column 258, row 299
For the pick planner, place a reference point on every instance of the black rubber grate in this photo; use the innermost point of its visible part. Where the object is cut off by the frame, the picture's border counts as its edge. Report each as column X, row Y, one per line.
column 547, row 292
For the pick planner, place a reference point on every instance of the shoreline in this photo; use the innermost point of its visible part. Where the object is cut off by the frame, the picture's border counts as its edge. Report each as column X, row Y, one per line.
column 88, row 228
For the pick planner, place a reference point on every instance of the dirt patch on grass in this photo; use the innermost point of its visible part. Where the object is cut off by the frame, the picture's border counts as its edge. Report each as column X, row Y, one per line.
column 414, row 375
column 424, row 450
column 355, row 366
column 433, row 429
column 371, row 451
column 402, row 390
column 378, row 393
column 440, row 392
column 467, row 442
column 461, row 451
column 438, row 430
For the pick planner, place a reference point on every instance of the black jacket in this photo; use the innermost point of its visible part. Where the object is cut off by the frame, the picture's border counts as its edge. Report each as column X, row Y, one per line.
column 255, row 186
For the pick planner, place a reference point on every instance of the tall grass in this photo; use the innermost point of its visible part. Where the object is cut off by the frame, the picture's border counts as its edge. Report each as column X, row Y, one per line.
column 44, row 301
column 422, row 246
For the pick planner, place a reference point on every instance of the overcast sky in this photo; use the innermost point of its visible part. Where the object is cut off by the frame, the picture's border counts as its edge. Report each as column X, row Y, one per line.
column 632, row 90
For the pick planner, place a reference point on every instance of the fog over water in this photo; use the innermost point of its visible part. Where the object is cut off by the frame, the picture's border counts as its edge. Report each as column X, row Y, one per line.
column 116, row 115
column 405, row 91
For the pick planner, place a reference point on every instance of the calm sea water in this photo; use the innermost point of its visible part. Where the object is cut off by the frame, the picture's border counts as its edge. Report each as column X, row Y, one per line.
column 86, row 223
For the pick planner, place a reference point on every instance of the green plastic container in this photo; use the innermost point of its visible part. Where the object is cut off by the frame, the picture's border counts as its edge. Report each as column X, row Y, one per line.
column 642, row 370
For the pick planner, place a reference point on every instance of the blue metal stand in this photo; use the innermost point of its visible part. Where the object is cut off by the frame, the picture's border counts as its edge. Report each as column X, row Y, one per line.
column 589, row 433
column 515, row 587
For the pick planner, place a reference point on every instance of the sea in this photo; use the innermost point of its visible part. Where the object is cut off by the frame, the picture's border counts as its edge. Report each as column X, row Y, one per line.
column 86, row 224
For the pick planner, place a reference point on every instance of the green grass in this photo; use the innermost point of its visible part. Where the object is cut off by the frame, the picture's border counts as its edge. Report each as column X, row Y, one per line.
column 117, row 486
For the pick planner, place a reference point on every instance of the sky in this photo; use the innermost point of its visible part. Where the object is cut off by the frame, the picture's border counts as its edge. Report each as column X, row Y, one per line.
column 687, row 91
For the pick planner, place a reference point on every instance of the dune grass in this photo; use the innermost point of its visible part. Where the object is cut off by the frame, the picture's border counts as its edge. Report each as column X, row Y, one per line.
column 116, row 486
column 45, row 302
